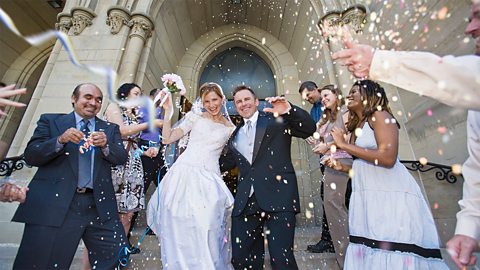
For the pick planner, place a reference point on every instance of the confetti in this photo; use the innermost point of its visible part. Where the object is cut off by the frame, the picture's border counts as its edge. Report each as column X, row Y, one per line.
column 423, row 160
column 457, row 169
column 87, row 145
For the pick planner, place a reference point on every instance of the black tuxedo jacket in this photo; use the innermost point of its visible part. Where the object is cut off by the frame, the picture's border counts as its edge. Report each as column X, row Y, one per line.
column 53, row 186
column 271, row 172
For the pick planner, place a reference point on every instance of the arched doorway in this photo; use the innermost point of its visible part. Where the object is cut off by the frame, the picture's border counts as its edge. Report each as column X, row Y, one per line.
column 239, row 66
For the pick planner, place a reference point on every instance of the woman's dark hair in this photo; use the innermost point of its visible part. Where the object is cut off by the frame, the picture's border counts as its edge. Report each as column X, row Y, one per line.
column 329, row 114
column 124, row 90
column 374, row 99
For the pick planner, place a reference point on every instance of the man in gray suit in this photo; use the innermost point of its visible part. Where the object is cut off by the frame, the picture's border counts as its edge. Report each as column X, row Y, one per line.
column 71, row 196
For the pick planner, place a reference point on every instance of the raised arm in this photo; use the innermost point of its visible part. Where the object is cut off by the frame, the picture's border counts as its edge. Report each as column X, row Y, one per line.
column 170, row 135
column 386, row 136
column 113, row 114
column 300, row 122
column 449, row 79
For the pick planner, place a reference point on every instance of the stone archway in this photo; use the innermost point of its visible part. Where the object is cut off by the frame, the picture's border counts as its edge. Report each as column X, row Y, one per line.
column 25, row 71
column 261, row 42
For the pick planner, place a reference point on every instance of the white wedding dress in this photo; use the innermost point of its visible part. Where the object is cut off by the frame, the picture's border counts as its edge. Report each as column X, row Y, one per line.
column 190, row 215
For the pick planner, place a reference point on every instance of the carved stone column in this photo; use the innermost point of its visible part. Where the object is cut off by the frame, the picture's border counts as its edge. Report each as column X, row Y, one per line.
column 81, row 18
column 142, row 27
column 64, row 22
column 331, row 26
column 117, row 16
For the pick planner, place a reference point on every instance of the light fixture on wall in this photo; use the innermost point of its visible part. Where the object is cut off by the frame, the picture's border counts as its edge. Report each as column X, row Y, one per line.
column 56, row 4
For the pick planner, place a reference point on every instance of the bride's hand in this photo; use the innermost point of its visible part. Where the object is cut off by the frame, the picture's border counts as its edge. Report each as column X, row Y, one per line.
column 167, row 104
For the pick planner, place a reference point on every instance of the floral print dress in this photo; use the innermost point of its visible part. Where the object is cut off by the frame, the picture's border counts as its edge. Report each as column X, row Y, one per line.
column 128, row 179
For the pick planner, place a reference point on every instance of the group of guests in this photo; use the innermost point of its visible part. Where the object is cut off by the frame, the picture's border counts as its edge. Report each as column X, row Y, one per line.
column 93, row 195
column 388, row 222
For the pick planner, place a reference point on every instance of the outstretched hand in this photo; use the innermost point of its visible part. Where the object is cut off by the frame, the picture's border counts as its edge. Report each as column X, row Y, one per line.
column 357, row 57
column 280, row 105
column 461, row 248
column 10, row 91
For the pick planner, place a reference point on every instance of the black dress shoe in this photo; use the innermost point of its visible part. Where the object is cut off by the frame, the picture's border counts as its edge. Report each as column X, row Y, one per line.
column 321, row 247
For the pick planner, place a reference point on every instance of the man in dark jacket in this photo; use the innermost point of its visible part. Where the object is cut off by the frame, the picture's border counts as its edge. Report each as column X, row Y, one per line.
column 267, row 191
column 71, row 196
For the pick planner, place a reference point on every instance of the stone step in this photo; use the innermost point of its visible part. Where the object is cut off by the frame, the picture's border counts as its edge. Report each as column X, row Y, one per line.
column 149, row 258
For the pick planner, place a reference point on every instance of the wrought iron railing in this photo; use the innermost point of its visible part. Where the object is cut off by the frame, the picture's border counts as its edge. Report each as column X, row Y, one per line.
column 442, row 172
column 11, row 164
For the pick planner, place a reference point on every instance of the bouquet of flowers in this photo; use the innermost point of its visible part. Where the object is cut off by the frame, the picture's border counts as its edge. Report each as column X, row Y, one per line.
column 173, row 83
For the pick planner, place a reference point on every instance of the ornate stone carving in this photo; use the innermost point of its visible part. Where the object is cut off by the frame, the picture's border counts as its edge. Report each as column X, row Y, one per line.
column 64, row 22
column 81, row 18
column 117, row 17
column 142, row 26
column 355, row 17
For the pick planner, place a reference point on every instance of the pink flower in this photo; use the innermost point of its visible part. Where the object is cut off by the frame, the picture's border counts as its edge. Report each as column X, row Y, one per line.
column 174, row 83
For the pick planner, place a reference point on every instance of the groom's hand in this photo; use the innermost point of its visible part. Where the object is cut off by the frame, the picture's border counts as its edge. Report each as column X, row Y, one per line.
column 280, row 106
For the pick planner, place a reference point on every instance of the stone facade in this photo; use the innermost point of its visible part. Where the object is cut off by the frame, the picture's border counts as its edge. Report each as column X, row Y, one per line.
column 144, row 39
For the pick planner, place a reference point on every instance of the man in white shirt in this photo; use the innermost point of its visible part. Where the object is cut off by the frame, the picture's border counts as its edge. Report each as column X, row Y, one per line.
column 454, row 81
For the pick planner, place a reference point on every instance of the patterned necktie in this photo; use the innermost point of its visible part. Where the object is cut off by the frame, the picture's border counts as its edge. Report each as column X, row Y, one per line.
column 85, row 160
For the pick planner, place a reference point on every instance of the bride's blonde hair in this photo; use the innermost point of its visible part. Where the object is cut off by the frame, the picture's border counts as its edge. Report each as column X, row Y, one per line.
column 210, row 87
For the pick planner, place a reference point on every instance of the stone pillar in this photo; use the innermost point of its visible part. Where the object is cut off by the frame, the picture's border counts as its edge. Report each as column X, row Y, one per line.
column 332, row 25
column 141, row 29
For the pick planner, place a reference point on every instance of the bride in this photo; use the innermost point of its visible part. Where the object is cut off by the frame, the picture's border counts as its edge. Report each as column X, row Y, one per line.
column 189, row 210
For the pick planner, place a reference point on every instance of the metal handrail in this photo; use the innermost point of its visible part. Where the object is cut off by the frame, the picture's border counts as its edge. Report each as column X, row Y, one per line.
column 443, row 172
column 11, row 164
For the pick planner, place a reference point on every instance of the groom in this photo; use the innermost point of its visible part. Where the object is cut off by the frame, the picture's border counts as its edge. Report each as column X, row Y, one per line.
column 267, row 192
